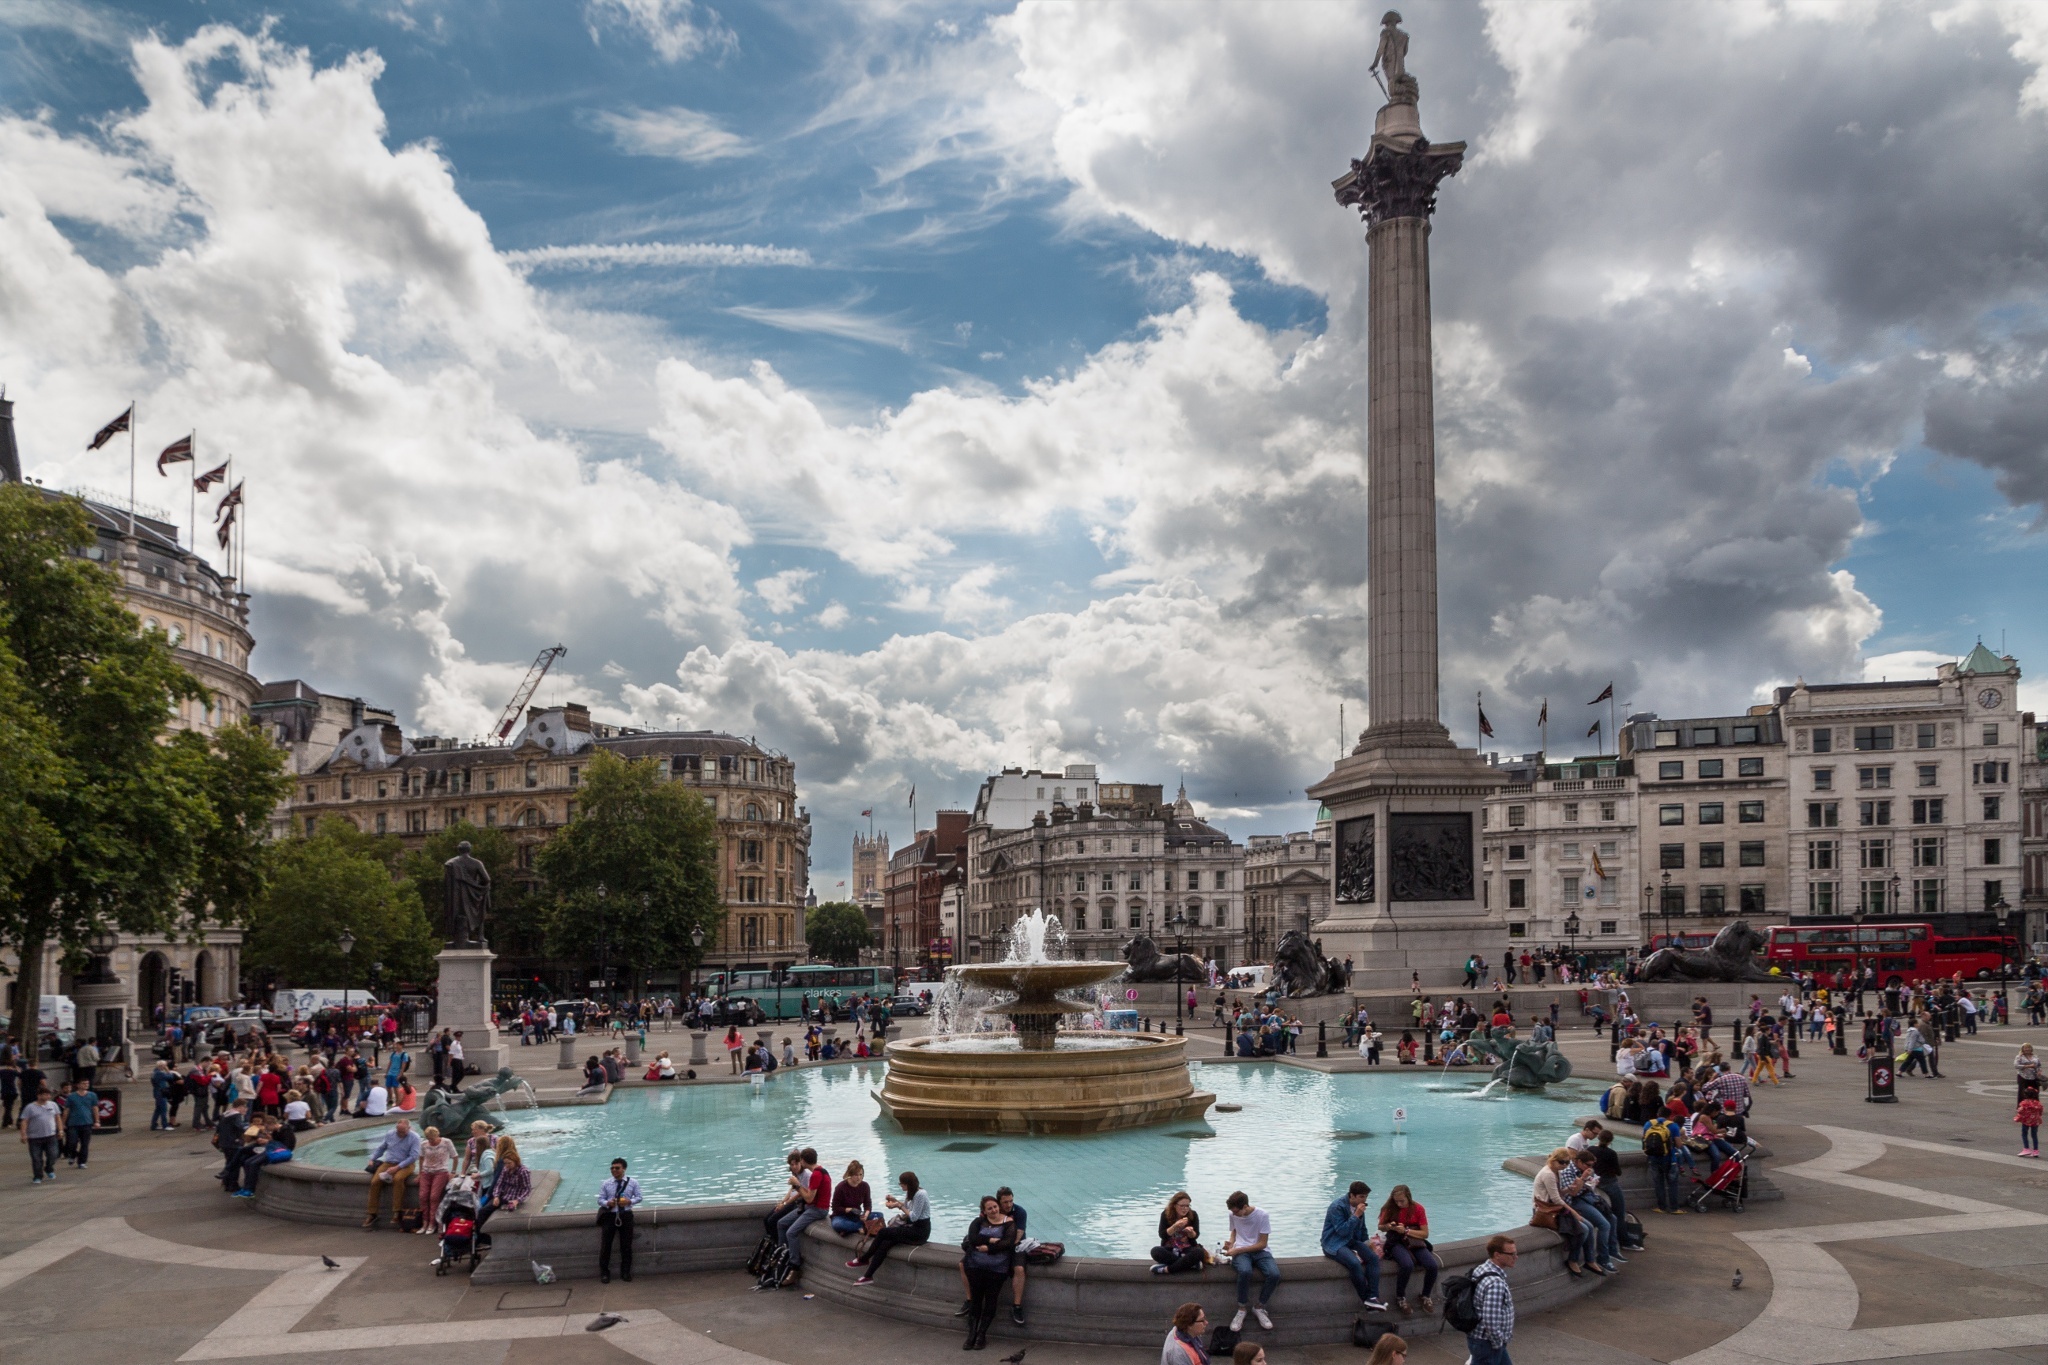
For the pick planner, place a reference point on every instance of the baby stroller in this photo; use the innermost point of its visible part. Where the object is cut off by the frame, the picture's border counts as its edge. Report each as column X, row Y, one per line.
column 1729, row 1182
column 458, row 1216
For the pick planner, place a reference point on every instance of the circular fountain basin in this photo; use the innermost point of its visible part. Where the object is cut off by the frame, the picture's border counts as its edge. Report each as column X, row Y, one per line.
column 1035, row 979
column 1085, row 1083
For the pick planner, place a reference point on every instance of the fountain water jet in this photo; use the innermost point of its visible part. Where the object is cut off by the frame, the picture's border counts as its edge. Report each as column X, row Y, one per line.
column 1037, row 1079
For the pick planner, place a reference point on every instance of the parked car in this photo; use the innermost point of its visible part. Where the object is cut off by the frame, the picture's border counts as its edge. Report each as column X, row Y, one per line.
column 908, row 1004
column 52, row 1044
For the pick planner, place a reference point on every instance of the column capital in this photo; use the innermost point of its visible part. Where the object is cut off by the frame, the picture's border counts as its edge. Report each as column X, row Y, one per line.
column 1398, row 178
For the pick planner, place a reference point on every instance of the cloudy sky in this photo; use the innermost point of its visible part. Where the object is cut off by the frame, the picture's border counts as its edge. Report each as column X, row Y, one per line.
column 927, row 388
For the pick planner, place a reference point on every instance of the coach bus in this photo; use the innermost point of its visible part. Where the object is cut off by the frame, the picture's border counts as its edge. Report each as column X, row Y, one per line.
column 1901, row 953
column 784, row 996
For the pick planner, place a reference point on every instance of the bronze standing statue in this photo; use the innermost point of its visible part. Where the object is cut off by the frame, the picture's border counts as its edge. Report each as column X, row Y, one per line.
column 466, row 899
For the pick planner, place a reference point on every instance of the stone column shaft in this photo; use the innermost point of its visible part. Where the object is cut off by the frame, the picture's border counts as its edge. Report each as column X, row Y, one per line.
column 1401, row 480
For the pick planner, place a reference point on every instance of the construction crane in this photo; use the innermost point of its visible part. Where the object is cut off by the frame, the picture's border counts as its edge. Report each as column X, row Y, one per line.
column 541, row 664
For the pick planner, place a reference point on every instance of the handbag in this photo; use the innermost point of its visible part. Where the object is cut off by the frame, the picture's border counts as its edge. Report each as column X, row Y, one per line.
column 1545, row 1216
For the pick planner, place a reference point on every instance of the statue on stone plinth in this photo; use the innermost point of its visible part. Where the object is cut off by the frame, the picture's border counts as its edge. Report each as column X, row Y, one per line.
column 466, row 899
column 453, row 1111
column 1732, row 957
column 1391, row 61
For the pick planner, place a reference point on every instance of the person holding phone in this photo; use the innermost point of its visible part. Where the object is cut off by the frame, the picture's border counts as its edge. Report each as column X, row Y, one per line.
column 616, row 1200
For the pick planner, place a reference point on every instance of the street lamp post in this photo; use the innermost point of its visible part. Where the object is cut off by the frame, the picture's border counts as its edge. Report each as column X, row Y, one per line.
column 2003, row 910
column 1571, row 931
column 347, row 944
column 1180, row 924
column 1649, row 898
column 697, row 964
column 1666, row 880
column 604, row 947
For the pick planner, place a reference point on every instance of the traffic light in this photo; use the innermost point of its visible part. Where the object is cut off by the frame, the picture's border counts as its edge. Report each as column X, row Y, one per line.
column 175, row 994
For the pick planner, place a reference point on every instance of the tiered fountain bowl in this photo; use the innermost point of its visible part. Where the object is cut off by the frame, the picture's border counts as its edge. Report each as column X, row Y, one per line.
column 1038, row 1079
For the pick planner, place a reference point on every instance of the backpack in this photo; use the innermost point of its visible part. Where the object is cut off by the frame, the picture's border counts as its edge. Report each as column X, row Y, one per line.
column 1222, row 1341
column 1461, row 1303
column 1656, row 1140
column 1045, row 1253
column 1365, row 1334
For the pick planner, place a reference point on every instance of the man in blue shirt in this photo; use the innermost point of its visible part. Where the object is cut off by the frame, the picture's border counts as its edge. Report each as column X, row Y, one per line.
column 393, row 1163
column 1347, row 1240
column 616, row 1200
column 81, row 1111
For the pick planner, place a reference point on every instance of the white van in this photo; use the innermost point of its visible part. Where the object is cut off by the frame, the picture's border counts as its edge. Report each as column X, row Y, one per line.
column 57, row 1012
column 295, row 1005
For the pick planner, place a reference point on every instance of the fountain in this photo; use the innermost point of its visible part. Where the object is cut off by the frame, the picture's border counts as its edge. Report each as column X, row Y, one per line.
column 1036, row 1078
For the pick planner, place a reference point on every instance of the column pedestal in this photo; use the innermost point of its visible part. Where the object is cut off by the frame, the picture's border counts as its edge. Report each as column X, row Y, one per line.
column 698, row 1057
column 110, row 998
column 465, row 1005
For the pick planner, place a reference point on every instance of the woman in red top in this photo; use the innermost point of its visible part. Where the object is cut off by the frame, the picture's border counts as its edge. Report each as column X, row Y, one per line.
column 269, row 1091
column 1405, row 1226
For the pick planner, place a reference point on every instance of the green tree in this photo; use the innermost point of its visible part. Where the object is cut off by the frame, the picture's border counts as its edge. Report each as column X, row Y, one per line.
column 318, row 886
column 243, row 777
column 634, row 873
column 837, row 931
column 120, row 819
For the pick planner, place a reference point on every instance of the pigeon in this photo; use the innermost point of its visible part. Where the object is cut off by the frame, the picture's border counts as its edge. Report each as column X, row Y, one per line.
column 1738, row 1279
column 329, row 1262
column 542, row 1274
column 1017, row 1359
column 603, row 1321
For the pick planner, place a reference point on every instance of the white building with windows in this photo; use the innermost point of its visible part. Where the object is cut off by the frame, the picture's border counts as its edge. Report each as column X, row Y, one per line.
column 1905, row 795
column 1286, row 886
column 1715, row 809
column 1560, row 839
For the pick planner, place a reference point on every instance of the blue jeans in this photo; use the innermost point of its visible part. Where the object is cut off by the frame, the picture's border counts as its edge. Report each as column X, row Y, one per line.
column 792, row 1229
column 1602, row 1238
column 1362, row 1264
column 846, row 1224
column 1664, row 1179
column 1485, row 1352
column 160, row 1117
column 1261, row 1262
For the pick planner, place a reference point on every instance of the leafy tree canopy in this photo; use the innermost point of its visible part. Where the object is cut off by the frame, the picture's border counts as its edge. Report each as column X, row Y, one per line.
column 837, row 931
column 316, row 887
column 629, row 878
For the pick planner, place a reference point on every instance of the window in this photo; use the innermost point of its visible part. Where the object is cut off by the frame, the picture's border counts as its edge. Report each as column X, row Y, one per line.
column 1992, row 847
column 490, row 815
column 1990, row 774
column 380, row 829
column 1927, row 851
column 1109, row 881
column 1568, row 891
column 1518, row 816
column 309, row 834
column 1667, row 739
column 1823, row 779
column 490, row 781
column 1753, row 900
column 1924, row 735
column 1571, row 811
column 533, row 774
column 750, row 850
column 1673, row 902
column 1822, row 814
column 1929, row 774
column 383, row 789
column 1518, row 928
column 569, row 811
column 1518, row 853
column 1609, row 926
column 1571, row 853
column 1994, row 892
column 1868, row 778
column 1927, row 810
column 575, row 776
column 1518, row 894
column 1873, row 737
column 1670, row 772
column 1820, row 897
column 1745, row 734
column 1705, row 736
column 1671, row 855
column 1927, row 894
column 1874, row 812
column 1134, row 846
column 1136, row 882
column 347, row 790
column 1041, row 793
column 1607, row 812
column 1874, row 853
column 1820, row 855
column 310, row 796
column 1713, row 855
column 1711, row 812
column 1750, row 812
column 753, row 811
column 1752, row 854
column 1671, row 815
column 1992, row 805
column 1823, row 741
column 1711, row 767
column 1749, row 767
column 1194, row 881
column 1874, row 896
column 1222, row 881
column 1990, row 736
column 1136, row 919
column 1714, row 900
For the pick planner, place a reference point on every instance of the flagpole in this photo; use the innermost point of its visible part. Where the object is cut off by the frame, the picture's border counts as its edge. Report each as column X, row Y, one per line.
column 192, row 503
column 1613, row 729
column 131, row 469
column 1479, row 706
column 1543, row 729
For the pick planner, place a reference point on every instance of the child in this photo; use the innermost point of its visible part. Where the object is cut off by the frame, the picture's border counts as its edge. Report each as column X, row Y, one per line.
column 2028, row 1117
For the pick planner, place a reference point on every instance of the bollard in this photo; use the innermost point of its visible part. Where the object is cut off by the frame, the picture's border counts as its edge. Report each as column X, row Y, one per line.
column 1322, row 1038
column 698, row 1057
column 766, row 1037
column 568, row 1056
column 632, row 1049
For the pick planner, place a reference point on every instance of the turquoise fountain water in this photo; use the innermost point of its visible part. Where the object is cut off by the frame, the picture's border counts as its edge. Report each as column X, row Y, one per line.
column 1300, row 1137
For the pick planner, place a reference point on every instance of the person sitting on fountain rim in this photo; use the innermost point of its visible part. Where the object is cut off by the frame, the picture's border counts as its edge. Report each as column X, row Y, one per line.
column 1246, row 1247
column 1013, row 1211
column 911, row 1226
column 1180, row 1237
column 813, row 1186
column 1405, row 1227
column 1347, row 1240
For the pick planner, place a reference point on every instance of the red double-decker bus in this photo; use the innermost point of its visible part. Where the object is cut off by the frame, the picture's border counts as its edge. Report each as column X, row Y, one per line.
column 1901, row 953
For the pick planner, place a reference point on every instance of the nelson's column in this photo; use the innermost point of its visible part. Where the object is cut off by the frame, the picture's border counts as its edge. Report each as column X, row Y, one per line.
column 1406, row 802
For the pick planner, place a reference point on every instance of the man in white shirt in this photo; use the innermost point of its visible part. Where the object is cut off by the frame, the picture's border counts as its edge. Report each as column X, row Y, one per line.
column 455, row 1061
column 378, row 1102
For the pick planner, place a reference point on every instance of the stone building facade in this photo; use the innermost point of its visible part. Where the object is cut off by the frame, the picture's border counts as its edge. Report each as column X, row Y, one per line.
column 1559, row 839
column 915, row 895
column 1715, row 806
column 2033, row 830
column 870, row 879
column 1286, row 887
column 385, row 784
column 1108, row 874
